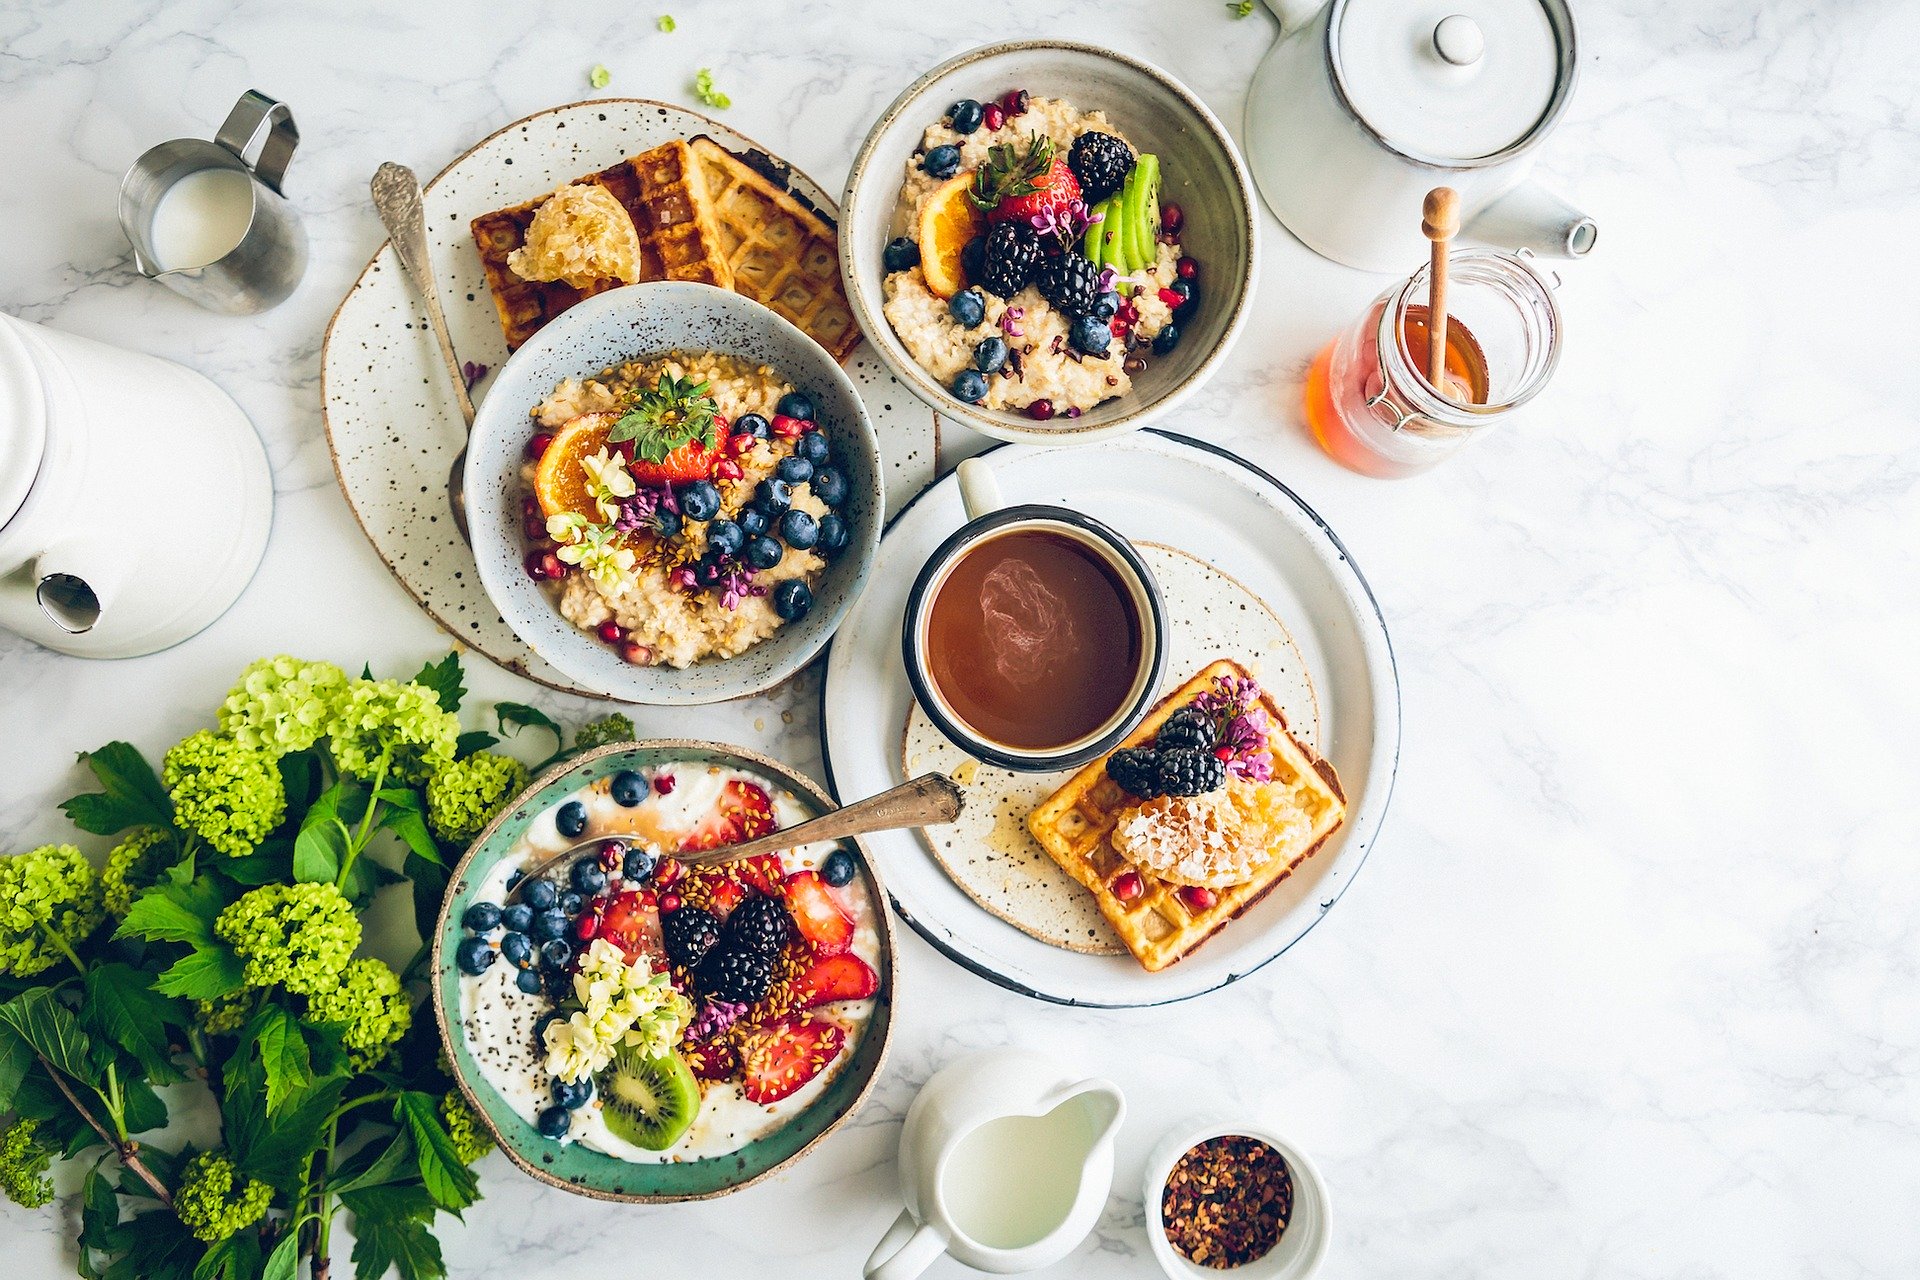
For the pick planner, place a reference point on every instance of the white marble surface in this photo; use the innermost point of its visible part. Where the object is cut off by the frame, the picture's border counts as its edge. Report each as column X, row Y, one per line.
column 1631, row 985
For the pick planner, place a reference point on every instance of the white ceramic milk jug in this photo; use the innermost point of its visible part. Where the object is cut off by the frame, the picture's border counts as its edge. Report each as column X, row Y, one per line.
column 1005, row 1163
column 135, row 498
column 1365, row 105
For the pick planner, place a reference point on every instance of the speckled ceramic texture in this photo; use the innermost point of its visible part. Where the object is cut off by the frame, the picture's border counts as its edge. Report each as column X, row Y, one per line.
column 392, row 425
column 1200, row 169
column 571, row 1166
column 647, row 320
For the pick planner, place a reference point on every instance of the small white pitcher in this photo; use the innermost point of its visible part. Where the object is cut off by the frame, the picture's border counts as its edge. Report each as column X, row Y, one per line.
column 1005, row 1163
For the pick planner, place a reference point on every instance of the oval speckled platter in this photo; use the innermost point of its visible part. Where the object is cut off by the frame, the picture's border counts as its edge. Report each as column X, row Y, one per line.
column 576, row 1168
column 392, row 425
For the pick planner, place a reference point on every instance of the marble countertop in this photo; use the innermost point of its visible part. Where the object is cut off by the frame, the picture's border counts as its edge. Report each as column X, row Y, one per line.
column 1631, row 983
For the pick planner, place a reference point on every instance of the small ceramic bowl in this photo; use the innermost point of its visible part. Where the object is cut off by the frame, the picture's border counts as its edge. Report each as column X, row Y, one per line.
column 1201, row 171
column 1302, row 1247
column 646, row 320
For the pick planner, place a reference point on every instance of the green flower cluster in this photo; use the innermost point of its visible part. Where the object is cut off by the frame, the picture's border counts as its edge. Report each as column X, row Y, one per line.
column 598, row 733
column 222, row 1016
column 49, row 902
column 463, row 796
column 470, row 1137
column 283, row 704
column 214, row 1201
column 369, row 1005
column 404, row 723
column 132, row 865
column 300, row 936
column 228, row 794
column 23, row 1165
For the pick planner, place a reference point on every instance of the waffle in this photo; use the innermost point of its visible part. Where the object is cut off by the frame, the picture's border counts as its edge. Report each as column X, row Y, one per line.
column 781, row 253
column 1073, row 826
column 661, row 191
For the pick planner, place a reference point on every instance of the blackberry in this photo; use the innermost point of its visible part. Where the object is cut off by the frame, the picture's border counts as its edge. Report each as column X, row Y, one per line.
column 759, row 925
column 1136, row 771
column 1011, row 255
column 1187, row 727
column 1070, row 283
column 690, row 933
column 1186, row 772
column 739, row 976
column 1100, row 163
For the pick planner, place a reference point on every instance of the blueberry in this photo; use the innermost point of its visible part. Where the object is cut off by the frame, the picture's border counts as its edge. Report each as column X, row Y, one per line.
column 834, row 535
column 830, row 486
column 541, row 895
column 1106, row 306
column 838, row 868
column 514, row 878
column 1185, row 289
column 1166, row 340
column 990, row 355
column 481, row 916
column 941, row 161
column 555, row 953
column 628, row 787
column 517, row 918
column 968, row 308
column 1090, row 336
column 638, row 866
column 754, row 521
column 794, row 469
column 572, row 1094
column 545, row 1020
column 587, row 877
column 667, row 523
column 812, row 445
column 751, row 424
column 549, row 925
column 902, row 254
column 473, row 955
column 792, row 599
column 763, row 553
column 969, row 386
column 528, row 981
column 973, row 258
column 554, row 1122
column 776, row 495
column 796, row 404
column 572, row 820
column 965, row 116
column 709, row 569
column 698, row 500
column 572, row 904
column 800, row 530
column 725, row 537
column 517, row 948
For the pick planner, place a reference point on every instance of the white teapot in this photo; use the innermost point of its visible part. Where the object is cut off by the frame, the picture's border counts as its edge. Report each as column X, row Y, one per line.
column 1365, row 105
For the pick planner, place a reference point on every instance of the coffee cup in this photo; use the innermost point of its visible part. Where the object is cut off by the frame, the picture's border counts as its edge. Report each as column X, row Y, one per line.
column 1034, row 637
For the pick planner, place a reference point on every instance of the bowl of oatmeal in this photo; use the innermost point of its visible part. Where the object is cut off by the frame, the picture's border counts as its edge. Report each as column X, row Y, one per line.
column 1049, row 241
column 674, row 494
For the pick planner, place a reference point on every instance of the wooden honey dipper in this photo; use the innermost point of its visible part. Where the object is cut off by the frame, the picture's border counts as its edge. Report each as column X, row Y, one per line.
column 1440, row 223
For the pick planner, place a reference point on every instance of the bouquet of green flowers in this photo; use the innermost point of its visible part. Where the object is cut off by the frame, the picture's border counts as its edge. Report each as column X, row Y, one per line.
column 219, row 948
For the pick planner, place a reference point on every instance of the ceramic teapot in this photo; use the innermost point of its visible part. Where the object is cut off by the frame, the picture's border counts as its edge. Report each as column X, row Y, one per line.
column 1365, row 105
column 135, row 498
column 1005, row 1163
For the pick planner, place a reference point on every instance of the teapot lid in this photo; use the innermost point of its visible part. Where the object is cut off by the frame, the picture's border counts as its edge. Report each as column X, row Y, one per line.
column 1453, row 83
column 23, row 420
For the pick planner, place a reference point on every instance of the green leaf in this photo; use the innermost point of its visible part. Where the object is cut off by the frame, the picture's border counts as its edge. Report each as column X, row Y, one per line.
column 40, row 1019
column 515, row 716
column 471, row 741
column 175, row 912
column 429, row 891
column 153, row 1245
column 284, row 1262
column 390, row 1231
column 405, row 816
column 366, row 671
column 16, row 1059
column 132, row 797
column 274, row 1151
column 444, row 678
column 271, row 863
column 451, row 1184
column 301, row 773
column 207, row 974
column 142, row 1108
column 99, row 1220
column 323, row 840
column 122, row 1007
column 284, row 1056
column 235, row 1258
column 394, row 1162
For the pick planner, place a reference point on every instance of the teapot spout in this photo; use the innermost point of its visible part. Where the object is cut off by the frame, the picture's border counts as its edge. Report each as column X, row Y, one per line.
column 1531, row 217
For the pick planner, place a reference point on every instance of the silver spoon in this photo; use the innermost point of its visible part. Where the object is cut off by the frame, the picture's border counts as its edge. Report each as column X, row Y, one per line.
column 396, row 194
column 927, row 799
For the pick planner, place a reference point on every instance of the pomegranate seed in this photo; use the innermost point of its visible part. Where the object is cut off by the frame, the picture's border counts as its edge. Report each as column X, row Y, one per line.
column 649, row 898
column 1223, row 753
column 530, row 506
column 669, row 902
column 1040, row 410
column 1197, row 897
column 534, row 528
column 1188, row 268
column 1171, row 219
column 727, row 469
column 1118, row 326
column 787, row 428
column 1127, row 886
column 538, row 444
column 663, row 783
column 611, row 631
column 741, row 445
column 587, row 927
column 993, row 116
column 1171, row 298
column 553, row 566
column 635, row 654
column 1015, row 102
column 612, row 854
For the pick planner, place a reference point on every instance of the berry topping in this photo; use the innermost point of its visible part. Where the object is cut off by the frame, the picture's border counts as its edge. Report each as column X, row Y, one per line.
column 538, row 444
column 689, row 934
column 796, row 404
column 1011, row 256
column 743, row 813
column 751, row 426
column 1090, row 336
column 834, row 535
column 792, row 599
column 800, row 530
column 1166, row 340
column 812, row 445
column 481, row 917
column 1197, row 897
column 698, row 500
column 542, row 895
column 1040, row 410
column 571, row 820
column 1018, row 185
column 941, row 162
column 1015, row 102
column 712, row 1060
column 759, row 924
column 1135, row 771
column 777, row 1058
column 830, row 485
column 965, row 116
column 473, row 955
column 1101, row 163
column 762, row 552
column 1127, row 886
column 835, row 978
column 968, row 308
column 742, row 976
column 1069, row 282
column 1187, row 727
column 1186, row 772
column 1188, row 268
column 969, row 387
column 1171, row 219
column 838, row 868
column 794, row 469
column 991, row 355
column 901, row 254
column 631, row 923
column 993, row 115
column 817, row 914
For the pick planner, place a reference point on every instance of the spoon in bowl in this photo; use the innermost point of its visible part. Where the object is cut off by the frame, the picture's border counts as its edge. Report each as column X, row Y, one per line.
column 396, row 194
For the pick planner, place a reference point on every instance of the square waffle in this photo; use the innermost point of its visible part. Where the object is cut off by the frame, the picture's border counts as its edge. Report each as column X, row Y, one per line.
column 662, row 192
column 1074, row 825
column 782, row 253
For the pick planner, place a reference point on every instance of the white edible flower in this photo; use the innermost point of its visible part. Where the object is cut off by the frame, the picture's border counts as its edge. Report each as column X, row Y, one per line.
column 566, row 527
column 620, row 1004
column 608, row 480
column 598, row 551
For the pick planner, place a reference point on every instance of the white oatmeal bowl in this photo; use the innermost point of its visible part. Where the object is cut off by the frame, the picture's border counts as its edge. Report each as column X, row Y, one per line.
column 1183, row 293
column 618, row 601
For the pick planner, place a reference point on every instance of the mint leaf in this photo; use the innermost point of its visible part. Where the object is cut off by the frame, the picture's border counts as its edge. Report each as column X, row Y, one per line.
column 39, row 1018
column 210, row 972
column 451, row 1184
column 122, row 1007
column 444, row 678
column 390, row 1232
column 133, row 795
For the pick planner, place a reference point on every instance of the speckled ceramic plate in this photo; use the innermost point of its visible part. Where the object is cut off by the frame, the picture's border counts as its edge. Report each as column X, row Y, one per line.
column 579, row 1169
column 1156, row 487
column 392, row 424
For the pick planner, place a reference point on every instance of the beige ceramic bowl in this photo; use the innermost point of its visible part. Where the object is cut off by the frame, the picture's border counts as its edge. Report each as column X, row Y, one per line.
column 1200, row 169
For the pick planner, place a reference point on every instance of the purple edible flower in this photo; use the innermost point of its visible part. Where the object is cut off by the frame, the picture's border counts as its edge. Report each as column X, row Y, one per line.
column 1067, row 223
column 683, row 578
column 1010, row 321
column 736, row 584
column 1234, row 704
column 472, row 373
column 1108, row 278
column 714, row 1018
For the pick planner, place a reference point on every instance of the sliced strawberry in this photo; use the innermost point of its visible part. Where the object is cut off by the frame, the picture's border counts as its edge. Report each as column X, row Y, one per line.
column 691, row 461
column 776, row 1058
column 711, row 1059
column 725, row 896
column 1052, row 192
column 764, row 871
column 632, row 923
column 817, row 914
column 744, row 812
column 834, row 978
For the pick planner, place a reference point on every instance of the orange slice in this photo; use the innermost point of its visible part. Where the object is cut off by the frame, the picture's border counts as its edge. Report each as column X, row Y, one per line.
column 947, row 221
column 559, row 481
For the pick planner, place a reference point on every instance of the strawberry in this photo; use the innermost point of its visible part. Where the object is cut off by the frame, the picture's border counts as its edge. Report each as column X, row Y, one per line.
column 726, row 895
column 631, row 923
column 776, row 1058
column 744, row 812
column 711, row 1059
column 764, row 871
column 817, row 914
column 1014, row 185
column 691, row 461
column 835, row 978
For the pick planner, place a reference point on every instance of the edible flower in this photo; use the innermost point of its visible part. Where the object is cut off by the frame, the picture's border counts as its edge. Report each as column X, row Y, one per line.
column 618, row 1004
column 566, row 527
column 737, row 584
column 608, row 481
column 1010, row 321
column 716, row 1018
column 599, row 77
column 1067, row 223
column 597, row 552
column 1243, row 726
column 666, row 23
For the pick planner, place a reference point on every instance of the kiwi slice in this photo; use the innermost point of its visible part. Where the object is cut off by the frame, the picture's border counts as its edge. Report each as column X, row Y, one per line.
column 1140, row 218
column 649, row 1102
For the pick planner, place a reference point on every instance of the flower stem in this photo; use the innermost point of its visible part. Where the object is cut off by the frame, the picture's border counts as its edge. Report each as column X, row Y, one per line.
column 63, row 947
column 128, row 1151
column 360, row 837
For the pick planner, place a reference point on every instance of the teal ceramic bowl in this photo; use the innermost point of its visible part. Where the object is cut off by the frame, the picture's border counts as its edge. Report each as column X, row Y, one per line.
column 573, row 1167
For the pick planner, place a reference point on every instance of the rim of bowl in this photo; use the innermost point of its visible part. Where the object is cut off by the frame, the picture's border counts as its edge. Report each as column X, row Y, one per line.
column 1190, row 1132
column 866, row 547
column 995, row 423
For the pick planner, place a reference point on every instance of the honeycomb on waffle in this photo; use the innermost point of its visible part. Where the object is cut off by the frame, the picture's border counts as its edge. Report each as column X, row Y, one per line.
column 662, row 192
column 782, row 254
column 1075, row 823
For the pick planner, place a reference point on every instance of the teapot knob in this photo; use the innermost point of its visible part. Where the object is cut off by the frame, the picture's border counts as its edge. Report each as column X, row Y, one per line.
column 1459, row 40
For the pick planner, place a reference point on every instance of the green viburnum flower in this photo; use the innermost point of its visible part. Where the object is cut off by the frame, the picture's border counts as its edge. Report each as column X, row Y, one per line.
column 132, row 865
column 598, row 733
column 282, row 704
column 214, row 1200
column 369, row 1003
column 298, row 935
column 463, row 796
column 470, row 1137
column 223, row 1016
column 51, row 890
column 403, row 723
column 23, row 1165
column 229, row 795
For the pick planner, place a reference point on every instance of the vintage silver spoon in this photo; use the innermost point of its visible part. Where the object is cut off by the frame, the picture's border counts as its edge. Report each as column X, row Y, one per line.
column 396, row 194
